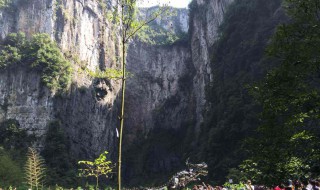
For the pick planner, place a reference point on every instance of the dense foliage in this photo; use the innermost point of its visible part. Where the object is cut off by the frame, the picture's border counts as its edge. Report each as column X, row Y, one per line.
column 288, row 143
column 10, row 171
column 39, row 53
column 58, row 160
column 12, row 137
column 237, row 60
column 14, row 143
column 4, row 3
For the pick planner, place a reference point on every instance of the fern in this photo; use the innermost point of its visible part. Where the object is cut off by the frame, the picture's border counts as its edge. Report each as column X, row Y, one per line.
column 34, row 168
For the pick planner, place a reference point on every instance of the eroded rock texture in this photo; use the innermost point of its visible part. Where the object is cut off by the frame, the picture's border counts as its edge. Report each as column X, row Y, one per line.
column 85, row 37
column 165, row 96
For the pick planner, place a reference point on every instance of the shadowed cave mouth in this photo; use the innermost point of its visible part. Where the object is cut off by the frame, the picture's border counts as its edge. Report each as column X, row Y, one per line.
column 101, row 88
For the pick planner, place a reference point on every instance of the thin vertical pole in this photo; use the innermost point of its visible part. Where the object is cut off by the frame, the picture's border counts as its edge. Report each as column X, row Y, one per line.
column 123, row 95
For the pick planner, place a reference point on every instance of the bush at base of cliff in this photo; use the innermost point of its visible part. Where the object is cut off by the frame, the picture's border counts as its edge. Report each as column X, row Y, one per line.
column 14, row 142
column 39, row 53
column 12, row 137
column 10, row 172
column 61, row 169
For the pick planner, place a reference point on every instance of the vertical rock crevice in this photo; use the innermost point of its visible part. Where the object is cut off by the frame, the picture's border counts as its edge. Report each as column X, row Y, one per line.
column 166, row 93
column 84, row 36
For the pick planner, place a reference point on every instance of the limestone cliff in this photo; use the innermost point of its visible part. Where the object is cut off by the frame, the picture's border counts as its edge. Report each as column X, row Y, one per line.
column 166, row 93
column 85, row 37
column 206, row 17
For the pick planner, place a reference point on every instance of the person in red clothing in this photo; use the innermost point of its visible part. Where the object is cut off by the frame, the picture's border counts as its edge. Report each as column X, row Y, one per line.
column 279, row 187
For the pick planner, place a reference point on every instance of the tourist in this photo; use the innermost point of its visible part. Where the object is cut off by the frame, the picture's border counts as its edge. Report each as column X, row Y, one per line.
column 249, row 186
column 316, row 185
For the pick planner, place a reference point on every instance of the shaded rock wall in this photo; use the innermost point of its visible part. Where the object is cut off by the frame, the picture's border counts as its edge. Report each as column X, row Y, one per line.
column 206, row 16
column 156, row 91
column 89, row 41
column 166, row 94
column 23, row 97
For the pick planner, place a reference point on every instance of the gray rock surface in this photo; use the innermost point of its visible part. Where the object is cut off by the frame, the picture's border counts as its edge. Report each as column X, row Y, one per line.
column 22, row 97
column 158, row 74
column 166, row 91
column 86, row 110
column 204, row 32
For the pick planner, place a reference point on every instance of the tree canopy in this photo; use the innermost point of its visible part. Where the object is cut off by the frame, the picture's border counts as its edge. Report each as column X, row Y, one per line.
column 287, row 144
column 39, row 53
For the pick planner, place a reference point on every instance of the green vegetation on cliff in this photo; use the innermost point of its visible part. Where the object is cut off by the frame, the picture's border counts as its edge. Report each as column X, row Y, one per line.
column 288, row 143
column 166, row 31
column 4, row 3
column 11, row 5
column 237, row 60
column 40, row 54
column 157, row 35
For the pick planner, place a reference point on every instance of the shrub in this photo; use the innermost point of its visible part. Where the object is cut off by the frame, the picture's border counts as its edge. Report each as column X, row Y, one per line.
column 10, row 173
column 57, row 156
column 40, row 54
column 12, row 137
column 4, row 3
column 99, row 167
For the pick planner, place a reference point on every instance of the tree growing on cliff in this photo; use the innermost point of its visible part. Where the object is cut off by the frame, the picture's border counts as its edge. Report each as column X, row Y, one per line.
column 40, row 54
column 124, row 15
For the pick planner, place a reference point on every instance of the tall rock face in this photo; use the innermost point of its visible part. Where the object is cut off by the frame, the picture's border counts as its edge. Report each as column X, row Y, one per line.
column 206, row 17
column 210, row 114
column 86, row 38
column 25, row 99
column 159, row 100
column 167, row 94
column 157, row 86
column 239, row 60
column 167, row 98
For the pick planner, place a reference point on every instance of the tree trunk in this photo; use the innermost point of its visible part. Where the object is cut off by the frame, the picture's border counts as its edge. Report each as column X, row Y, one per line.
column 122, row 109
column 97, row 183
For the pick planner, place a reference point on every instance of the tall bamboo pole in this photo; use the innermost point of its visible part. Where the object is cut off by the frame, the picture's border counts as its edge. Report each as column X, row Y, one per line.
column 123, row 97
column 126, row 35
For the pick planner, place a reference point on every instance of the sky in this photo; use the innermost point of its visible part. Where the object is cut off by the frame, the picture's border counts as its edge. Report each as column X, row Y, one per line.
column 174, row 3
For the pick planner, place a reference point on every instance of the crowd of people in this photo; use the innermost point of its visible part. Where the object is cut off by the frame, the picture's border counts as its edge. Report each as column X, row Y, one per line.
column 312, row 184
